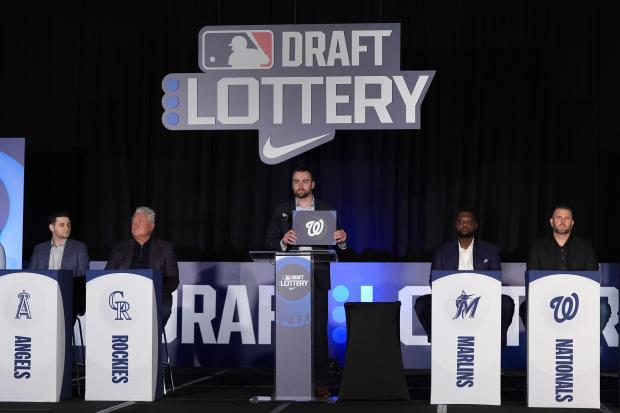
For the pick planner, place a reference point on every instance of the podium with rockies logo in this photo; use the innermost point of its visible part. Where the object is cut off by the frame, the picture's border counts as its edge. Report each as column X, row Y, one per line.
column 466, row 345
column 563, row 344
column 36, row 325
column 123, row 338
column 293, row 320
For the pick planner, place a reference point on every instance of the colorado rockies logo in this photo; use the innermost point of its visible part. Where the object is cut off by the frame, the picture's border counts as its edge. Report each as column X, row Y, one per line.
column 120, row 306
column 565, row 308
column 466, row 305
column 315, row 227
column 23, row 308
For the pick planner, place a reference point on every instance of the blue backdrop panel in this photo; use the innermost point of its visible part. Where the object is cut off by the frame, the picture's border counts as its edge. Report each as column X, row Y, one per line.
column 12, row 199
column 224, row 311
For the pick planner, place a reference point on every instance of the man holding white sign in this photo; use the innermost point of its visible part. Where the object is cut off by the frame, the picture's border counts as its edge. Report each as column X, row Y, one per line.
column 280, row 237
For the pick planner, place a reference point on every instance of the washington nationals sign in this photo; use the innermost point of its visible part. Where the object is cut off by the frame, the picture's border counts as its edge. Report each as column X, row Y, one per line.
column 296, row 84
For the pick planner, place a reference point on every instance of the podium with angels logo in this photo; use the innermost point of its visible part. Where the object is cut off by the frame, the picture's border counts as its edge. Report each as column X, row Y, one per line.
column 36, row 325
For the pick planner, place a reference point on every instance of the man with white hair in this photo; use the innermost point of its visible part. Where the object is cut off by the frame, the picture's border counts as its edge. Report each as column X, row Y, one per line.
column 144, row 251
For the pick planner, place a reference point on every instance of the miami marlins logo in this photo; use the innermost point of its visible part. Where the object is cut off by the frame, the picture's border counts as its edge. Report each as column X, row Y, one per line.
column 466, row 305
column 23, row 308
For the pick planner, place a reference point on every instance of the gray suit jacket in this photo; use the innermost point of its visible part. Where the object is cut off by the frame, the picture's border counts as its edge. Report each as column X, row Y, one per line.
column 74, row 258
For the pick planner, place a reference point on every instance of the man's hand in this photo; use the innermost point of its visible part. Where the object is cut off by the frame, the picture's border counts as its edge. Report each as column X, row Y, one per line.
column 340, row 236
column 289, row 238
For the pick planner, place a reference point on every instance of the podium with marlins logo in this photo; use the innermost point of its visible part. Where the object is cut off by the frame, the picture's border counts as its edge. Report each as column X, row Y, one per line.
column 563, row 344
column 123, row 341
column 36, row 325
column 466, row 344
column 293, row 316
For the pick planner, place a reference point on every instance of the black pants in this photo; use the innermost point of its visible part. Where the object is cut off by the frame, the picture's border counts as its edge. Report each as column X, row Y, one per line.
column 423, row 306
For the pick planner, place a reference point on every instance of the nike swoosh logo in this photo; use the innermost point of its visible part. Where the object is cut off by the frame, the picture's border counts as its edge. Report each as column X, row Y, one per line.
column 273, row 152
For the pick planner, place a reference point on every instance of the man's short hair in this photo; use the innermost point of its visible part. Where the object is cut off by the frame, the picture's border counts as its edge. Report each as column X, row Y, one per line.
column 303, row 169
column 466, row 209
column 51, row 219
column 146, row 210
column 561, row 205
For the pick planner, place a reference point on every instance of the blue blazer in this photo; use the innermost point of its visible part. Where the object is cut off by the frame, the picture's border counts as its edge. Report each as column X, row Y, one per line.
column 74, row 258
column 486, row 256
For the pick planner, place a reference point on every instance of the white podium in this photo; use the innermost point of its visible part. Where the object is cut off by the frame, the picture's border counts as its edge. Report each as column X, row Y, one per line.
column 123, row 341
column 36, row 325
column 466, row 343
column 563, row 344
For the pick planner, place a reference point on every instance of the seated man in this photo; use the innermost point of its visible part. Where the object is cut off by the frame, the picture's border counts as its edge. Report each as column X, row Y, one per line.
column 564, row 251
column 63, row 253
column 144, row 251
column 465, row 253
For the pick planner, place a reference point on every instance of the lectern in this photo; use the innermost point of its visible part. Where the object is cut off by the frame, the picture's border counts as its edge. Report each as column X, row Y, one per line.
column 123, row 341
column 36, row 325
column 563, row 344
column 293, row 320
column 466, row 344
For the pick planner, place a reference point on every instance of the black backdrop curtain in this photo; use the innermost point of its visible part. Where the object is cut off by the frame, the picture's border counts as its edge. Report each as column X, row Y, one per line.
column 522, row 113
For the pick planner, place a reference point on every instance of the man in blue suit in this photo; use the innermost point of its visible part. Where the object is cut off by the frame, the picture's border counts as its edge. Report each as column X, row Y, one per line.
column 64, row 253
column 465, row 253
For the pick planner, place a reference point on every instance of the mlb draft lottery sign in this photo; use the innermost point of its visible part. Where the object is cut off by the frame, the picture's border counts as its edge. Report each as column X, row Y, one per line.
column 296, row 84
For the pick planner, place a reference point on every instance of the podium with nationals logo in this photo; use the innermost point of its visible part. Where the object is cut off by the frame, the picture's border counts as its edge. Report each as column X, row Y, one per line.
column 36, row 325
column 466, row 345
column 123, row 341
column 563, row 344
column 293, row 320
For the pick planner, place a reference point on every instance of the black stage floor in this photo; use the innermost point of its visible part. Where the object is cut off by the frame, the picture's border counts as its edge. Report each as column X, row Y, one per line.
column 230, row 391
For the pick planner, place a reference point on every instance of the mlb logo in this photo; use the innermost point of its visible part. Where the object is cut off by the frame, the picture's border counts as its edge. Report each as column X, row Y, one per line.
column 235, row 49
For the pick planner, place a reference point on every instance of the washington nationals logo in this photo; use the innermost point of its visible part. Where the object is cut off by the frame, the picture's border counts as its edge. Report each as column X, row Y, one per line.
column 120, row 306
column 23, row 308
column 466, row 304
column 315, row 227
column 565, row 308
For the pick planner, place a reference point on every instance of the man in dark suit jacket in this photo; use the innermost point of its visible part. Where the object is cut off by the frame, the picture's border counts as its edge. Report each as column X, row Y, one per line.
column 63, row 253
column 280, row 237
column 563, row 251
column 146, row 252
column 465, row 253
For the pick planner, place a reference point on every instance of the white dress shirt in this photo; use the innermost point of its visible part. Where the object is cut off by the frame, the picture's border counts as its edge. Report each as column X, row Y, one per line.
column 466, row 257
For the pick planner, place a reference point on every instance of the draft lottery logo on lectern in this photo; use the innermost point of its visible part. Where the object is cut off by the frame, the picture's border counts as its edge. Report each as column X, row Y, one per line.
column 296, row 84
column 466, row 305
column 23, row 307
column 118, row 304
